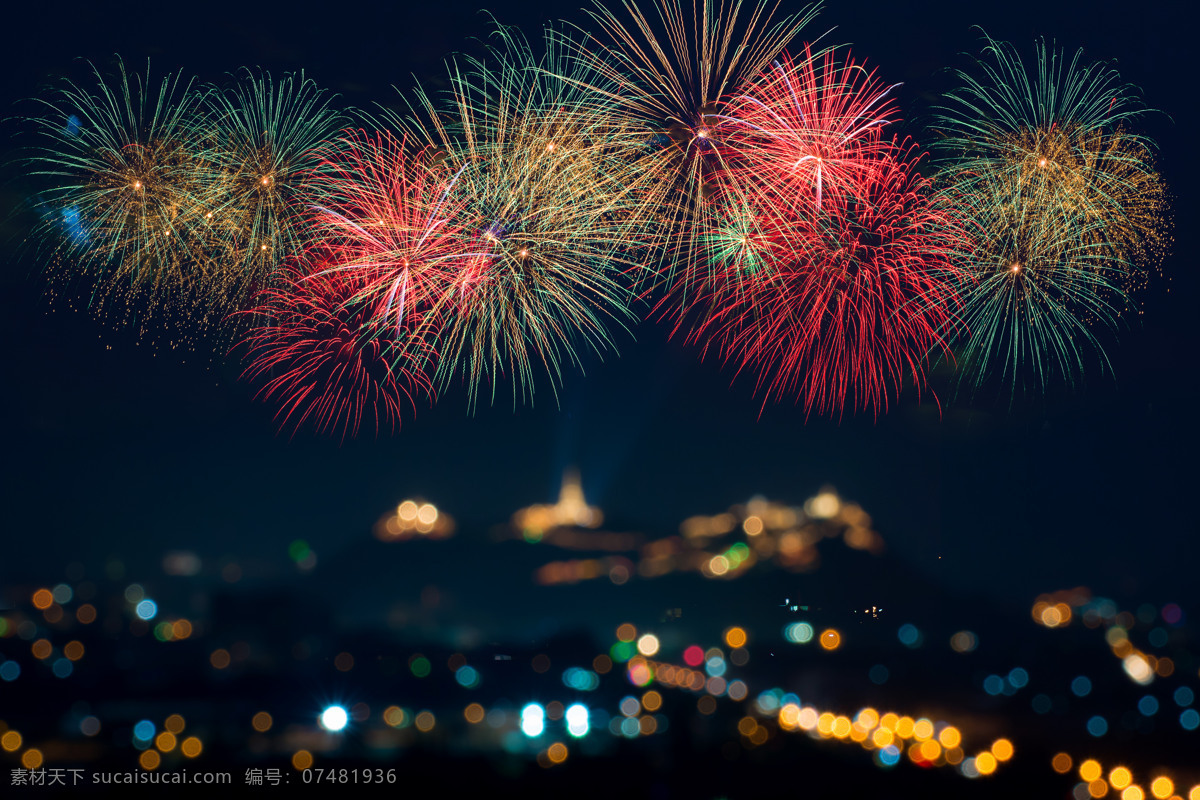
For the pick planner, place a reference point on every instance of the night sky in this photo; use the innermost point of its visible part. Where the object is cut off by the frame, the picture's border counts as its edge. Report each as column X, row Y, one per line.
column 123, row 448
column 118, row 449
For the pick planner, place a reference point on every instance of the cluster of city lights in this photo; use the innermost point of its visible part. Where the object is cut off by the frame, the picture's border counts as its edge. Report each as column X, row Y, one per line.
column 414, row 519
column 650, row 675
column 702, row 671
column 1060, row 609
column 532, row 729
column 157, row 746
column 889, row 735
column 51, row 603
column 766, row 531
column 772, row 531
column 1097, row 781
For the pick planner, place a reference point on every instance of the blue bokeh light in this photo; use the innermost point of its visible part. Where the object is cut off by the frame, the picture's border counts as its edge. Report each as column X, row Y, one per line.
column 144, row 730
column 768, row 701
column 146, row 609
column 467, row 677
column 909, row 635
column 583, row 680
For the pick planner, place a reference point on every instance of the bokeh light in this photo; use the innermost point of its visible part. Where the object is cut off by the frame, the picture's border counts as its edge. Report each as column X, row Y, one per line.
column 334, row 718
column 533, row 720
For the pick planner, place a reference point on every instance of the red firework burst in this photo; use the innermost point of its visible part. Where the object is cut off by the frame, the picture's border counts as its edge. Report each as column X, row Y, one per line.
column 810, row 128
column 829, row 275
column 350, row 334
column 323, row 356
column 837, row 307
column 392, row 218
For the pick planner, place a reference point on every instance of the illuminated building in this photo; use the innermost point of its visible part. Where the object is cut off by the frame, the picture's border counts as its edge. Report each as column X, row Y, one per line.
column 571, row 510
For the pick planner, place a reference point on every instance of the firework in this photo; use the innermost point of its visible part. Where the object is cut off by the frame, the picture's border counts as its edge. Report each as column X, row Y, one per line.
column 542, row 189
column 321, row 355
column 678, row 153
column 395, row 221
column 1036, row 289
column 832, row 308
column 262, row 154
column 825, row 272
column 669, row 74
column 126, row 200
column 811, row 128
column 1043, row 160
column 351, row 337
column 805, row 133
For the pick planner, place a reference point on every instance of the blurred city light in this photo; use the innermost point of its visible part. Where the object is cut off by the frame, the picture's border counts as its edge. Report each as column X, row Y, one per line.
column 577, row 719
column 334, row 719
column 533, row 720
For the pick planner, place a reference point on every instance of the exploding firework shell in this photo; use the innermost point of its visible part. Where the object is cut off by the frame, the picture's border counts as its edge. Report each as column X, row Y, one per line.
column 321, row 354
column 1035, row 290
column 1099, row 184
column 1069, row 213
column 668, row 73
column 810, row 128
column 538, row 173
column 126, row 200
column 834, row 308
column 392, row 217
column 262, row 151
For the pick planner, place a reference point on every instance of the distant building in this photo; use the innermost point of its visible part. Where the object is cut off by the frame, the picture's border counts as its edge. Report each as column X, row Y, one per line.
column 571, row 510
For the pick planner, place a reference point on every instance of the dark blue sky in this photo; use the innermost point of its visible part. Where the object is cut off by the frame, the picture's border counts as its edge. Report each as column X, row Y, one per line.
column 115, row 450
